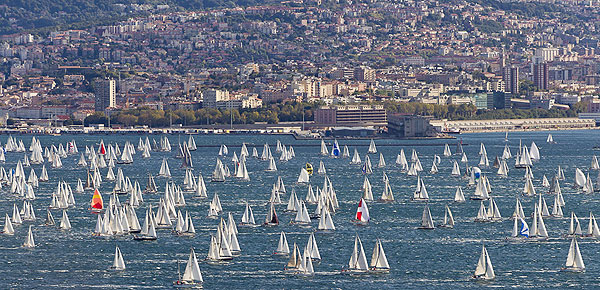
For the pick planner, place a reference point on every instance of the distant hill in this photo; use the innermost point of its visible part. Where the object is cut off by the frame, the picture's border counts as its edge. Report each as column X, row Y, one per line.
column 19, row 15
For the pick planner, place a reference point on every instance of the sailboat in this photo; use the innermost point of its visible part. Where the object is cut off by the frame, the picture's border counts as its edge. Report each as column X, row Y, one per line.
column 65, row 224
column 381, row 163
column 484, row 269
column 192, row 278
column 303, row 177
column 574, row 226
column 482, row 215
column 271, row 218
column 282, row 247
column 426, row 220
column 574, row 260
column 321, row 171
column 459, row 195
column 550, row 139
column 97, row 204
column 164, row 169
column 295, row 261
column 372, row 148
column 248, row 217
column 379, row 262
column 356, row 158
column 518, row 210
column 49, row 218
column 420, row 193
column 118, row 263
column 358, row 260
column 448, row 219
column 592, row 230
column 538, row 227
column 534, row 152
column 388, row 195
column 325, row 220
column 455, row 169
column 557, row 211
column 367, row 168
column 335, row 150
column 8, row 227
column 522, row 231
column 362, row 213
column 367, row 190
column 148, row 232
column 447, row 152
column 29, row 242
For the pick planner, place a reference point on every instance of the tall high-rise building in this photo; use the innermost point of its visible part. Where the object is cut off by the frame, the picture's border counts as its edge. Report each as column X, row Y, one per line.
column 510, row 76
column 540, row 76
column 106, row 94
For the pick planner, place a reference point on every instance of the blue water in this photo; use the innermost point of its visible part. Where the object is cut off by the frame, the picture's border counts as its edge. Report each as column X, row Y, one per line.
column 437, row 259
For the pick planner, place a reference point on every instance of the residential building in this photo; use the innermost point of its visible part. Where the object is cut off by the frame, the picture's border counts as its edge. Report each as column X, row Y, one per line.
column 105, row 94
column 540, row 76
column 212, row 96
column 510, row 76
column 364, row 74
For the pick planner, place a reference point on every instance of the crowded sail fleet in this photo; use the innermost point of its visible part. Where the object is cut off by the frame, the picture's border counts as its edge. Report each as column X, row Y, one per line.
column 150, row 204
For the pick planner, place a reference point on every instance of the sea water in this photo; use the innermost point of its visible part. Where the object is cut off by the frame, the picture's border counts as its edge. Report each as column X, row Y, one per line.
column 419, row 259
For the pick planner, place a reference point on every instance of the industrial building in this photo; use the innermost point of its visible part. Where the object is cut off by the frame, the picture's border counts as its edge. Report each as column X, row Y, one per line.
column 351, row 114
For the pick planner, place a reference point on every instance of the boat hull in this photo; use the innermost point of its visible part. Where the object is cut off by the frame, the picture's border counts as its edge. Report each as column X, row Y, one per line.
column 144, row 238
column 573, row 269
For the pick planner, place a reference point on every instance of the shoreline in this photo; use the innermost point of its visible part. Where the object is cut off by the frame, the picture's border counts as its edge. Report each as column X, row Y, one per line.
column 527, row 130
column 464, row 127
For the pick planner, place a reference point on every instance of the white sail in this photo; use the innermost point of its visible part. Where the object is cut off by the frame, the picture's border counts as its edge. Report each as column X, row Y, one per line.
column 303, row 177
column 248, row 216
column 118, row 262
column 372, row 148
column 574, row 259
column 447, row 151
column 8, row 227
column 580, row 178
column 282, row 246
column 574, row 226
column 322, row 169
column 459, row 195
column 65, row 224
column 324, row 150
column 557, row 208
column 482, row 215
column 387, row 194
column 595, row 165
column 455, row 169
column 484, row 269
column 325, row 221
column 358, row 260
column 592, row 230
column 381, row 163
column 192, row 274
column 426, row 220
column 346, row 152
column 448, row 218
column 29, row 242
column 379, row 260
column 356, row 158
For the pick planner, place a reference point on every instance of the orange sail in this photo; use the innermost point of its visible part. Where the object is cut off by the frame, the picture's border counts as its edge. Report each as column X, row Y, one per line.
column 97, row 200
